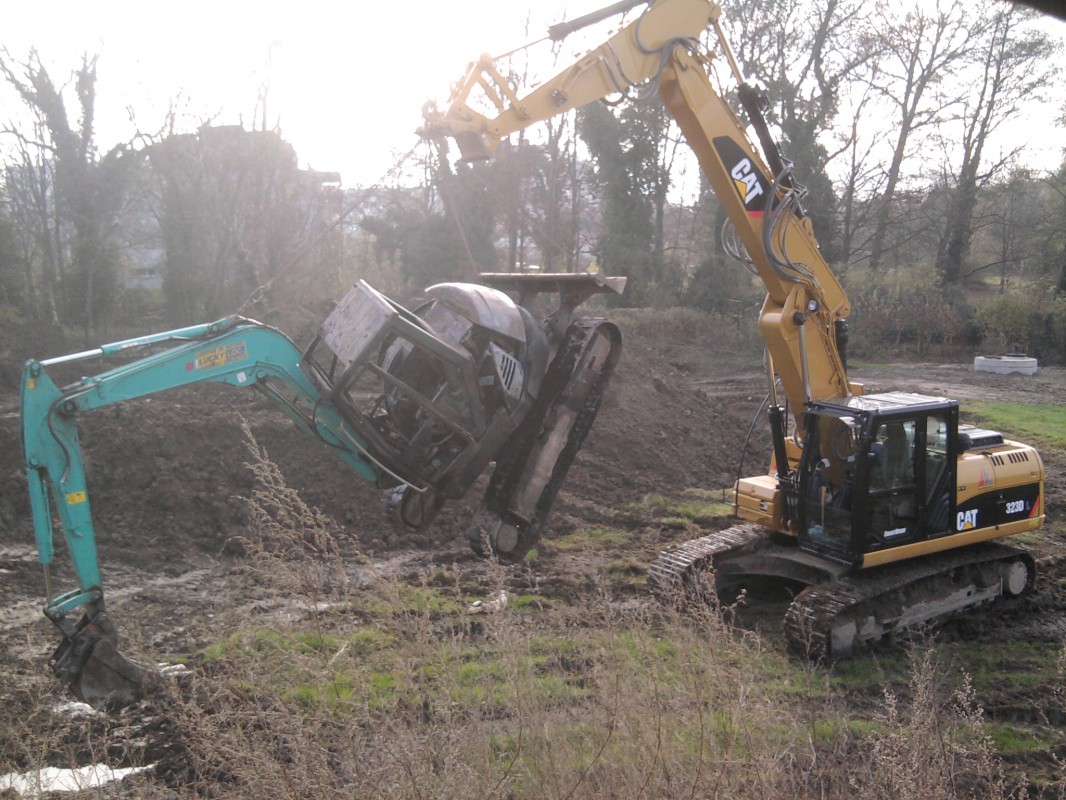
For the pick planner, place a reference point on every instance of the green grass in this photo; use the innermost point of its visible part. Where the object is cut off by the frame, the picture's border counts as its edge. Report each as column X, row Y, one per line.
column 1023, row 666
column 870, row 673
column 531, row 603
column 694, row 505
column 628, row 570
column 833, row 729
column 410, row 599
column 598, row 538
column 1042, row 423
column 1014, row 740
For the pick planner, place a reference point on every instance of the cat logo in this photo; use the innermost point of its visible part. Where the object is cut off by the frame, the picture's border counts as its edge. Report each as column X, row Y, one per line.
column 966, row 520
column 746, row 180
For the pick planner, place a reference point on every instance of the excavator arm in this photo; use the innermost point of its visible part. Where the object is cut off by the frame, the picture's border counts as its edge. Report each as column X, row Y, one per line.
column 234, row 351
column 417, row 402
column 803, row 319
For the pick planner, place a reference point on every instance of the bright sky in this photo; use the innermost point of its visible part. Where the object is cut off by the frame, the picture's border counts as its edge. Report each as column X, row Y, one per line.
column 346, row 80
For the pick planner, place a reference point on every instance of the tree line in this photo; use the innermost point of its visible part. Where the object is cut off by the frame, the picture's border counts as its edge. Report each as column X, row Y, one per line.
column 897, row 118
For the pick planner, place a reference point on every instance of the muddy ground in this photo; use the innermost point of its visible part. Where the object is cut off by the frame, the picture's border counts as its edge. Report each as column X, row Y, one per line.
column 166, row 476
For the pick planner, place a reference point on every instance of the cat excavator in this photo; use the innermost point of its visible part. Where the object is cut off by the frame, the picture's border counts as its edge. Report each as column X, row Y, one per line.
column 418, row 402
column 882, row 511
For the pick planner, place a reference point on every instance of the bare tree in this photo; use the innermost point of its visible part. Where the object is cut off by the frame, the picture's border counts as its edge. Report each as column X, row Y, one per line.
column 862, row 176
column 87, row 191
column 920, row 54
column 235, row 213
column 1010, row 63
column 31, row 209
column 806, row 54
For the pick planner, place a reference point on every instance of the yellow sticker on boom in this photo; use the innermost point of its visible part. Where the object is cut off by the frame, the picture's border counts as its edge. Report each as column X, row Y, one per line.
column 221, row 355
column 76, row 497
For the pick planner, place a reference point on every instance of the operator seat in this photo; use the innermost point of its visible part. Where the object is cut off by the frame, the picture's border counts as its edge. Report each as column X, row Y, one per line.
column 897, row 465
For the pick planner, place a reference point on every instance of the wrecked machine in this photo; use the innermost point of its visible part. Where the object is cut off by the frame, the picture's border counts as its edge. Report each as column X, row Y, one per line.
column 417, row 402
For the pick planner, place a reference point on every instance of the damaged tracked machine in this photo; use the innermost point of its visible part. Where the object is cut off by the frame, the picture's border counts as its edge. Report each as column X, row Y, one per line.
column 416, row 402
column 881, row 511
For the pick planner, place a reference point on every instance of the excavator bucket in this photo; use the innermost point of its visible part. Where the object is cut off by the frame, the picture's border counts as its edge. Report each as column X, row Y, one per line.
column 96, row 672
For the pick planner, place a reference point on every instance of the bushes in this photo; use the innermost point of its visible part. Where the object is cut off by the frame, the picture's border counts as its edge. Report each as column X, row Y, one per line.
column 909, row 311
column 1035, row 322
column 905, row 310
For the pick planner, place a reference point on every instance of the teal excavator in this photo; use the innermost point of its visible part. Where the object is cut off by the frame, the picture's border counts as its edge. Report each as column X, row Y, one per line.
column 416, row 402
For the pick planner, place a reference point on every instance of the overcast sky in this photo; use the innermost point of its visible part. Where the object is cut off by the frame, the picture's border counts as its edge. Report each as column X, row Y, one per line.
column 344, row 80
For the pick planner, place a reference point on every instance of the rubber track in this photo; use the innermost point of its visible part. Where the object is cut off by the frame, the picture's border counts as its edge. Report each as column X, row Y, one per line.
column 507, row 472
column 671, row 577
column 811, row 616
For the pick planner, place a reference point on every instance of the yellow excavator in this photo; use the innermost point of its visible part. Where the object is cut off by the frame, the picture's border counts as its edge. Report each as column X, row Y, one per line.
column 880, row 509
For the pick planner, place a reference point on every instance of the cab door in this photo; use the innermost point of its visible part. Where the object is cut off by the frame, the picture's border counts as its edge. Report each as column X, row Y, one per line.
column 911, row 479
column 894, row 500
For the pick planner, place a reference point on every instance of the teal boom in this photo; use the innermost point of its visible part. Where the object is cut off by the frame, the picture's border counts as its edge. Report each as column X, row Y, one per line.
column 236, row 351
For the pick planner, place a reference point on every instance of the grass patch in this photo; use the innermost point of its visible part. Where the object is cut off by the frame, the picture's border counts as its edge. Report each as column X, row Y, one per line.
column 694, row 505
column 630, row 570
column 870, row 673
column 1012, row 740
column 1023, row 666
column 1043, row 423
column 405, row 598
column 828, row 730
column 531, row 603
column 598, row 538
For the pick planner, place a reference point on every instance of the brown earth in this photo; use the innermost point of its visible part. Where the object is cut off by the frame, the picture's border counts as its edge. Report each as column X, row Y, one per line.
column 166, row 476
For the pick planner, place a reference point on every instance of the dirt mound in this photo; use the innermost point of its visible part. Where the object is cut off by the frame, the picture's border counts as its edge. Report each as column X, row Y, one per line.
column 167, row 473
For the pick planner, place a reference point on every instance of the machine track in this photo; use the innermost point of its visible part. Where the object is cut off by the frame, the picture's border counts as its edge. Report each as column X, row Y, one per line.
column 836, row 619
column 511, row 467
column 675, row 577
column 836, row 616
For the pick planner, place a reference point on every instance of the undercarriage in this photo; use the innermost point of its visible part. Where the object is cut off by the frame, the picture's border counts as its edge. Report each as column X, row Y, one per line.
column 533, row 463
column 837, row 613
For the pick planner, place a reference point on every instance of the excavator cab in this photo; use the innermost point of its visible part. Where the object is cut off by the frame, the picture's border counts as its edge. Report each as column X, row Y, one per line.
column 467, row 378
column 435, row 392
column 877, row 472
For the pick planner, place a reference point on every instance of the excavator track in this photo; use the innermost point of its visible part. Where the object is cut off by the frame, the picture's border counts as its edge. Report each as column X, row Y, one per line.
column 838, row 614
column 838, row 618
column 510, row 467
column 676, row 577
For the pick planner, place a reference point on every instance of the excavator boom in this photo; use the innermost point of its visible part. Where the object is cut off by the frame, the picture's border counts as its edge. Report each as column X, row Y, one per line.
column 806, row 308
column 234, row 351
